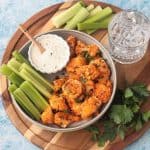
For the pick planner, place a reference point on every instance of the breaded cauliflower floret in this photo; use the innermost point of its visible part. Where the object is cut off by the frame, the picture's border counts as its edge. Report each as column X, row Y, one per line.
column 64, row 119
column 93, row 50
column 103, row 92
column 80, row 47
column 90, row 106
column 47, row 116
column 89, row 72
column 72, row 41
column 72, row 88
column 102, row 66
column 58, row 84
column 58, row 103
column 74, row 106
column 74, row 63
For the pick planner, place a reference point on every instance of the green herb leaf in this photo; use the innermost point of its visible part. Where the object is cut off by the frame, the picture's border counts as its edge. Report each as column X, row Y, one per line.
column 94, row 129
column 128, row 93
column 95, row 137
column 101, row 141
column 141, row 90
column 86, row 55
column 83, row 80
column 121, row 132
column 135, row 108
column 146, row 116
column 138, row 125
column 95, row 132
column 109, row 134
column 121, row 114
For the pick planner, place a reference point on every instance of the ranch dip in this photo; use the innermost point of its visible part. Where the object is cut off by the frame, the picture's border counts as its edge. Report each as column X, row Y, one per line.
column 55, row 56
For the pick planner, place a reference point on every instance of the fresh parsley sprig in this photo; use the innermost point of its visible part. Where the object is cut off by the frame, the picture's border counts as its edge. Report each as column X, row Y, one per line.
column 122, row 115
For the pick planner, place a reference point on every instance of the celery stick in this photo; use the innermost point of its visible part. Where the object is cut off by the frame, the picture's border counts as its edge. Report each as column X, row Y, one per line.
column 90, row 7
column 27, row 76
column 14, row 65
column 5, row 70
column 99, row 16
column 11, row 75
column 19, row 57
column 23, row 99
column 37, row 76
column 96, row 10
column 15, row 79
column 12, row 88
column 62, row 18
column 34, row 96
column 79, row 17
column 23, row 107
column 103, row 24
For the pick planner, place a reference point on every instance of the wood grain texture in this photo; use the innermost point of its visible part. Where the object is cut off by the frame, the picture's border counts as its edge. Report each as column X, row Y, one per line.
column 79, row 140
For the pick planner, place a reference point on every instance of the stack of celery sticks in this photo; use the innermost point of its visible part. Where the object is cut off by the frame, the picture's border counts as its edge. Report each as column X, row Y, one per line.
column 28, row 87
column 84, row 18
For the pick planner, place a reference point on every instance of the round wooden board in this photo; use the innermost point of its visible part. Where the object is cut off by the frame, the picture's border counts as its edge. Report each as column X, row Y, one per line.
column 80, row 139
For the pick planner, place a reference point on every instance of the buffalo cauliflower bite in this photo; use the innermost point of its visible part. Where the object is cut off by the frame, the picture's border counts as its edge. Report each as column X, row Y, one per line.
column 74, row 106
column 72, row 88
column 47, row 116
column 58, row 103
column 89, row 107
column 64, row 119
column 103, row 92
column 92, row 50
column 58, row 84
column 103, row 80
column 72, row 41
column 85, row 109
column 102, row 67
column 89, row 72
column 80, row 47
column 75, row 62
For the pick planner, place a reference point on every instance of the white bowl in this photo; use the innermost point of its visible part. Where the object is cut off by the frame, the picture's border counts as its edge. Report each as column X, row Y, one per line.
column 81, row 124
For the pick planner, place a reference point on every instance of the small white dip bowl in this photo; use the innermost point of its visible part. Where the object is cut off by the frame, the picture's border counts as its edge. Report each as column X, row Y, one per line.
column 55, row 56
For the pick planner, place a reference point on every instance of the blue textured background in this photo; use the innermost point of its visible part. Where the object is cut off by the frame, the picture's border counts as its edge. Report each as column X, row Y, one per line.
column 14, row 12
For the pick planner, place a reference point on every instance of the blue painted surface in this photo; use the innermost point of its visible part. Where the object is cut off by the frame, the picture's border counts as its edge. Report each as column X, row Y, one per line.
column 14, row 12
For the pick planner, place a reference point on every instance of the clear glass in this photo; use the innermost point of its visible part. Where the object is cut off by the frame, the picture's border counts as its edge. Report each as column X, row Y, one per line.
column 129, row 33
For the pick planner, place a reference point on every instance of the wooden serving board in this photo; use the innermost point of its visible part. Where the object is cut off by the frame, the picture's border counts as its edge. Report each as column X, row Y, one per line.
column 79, row 140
